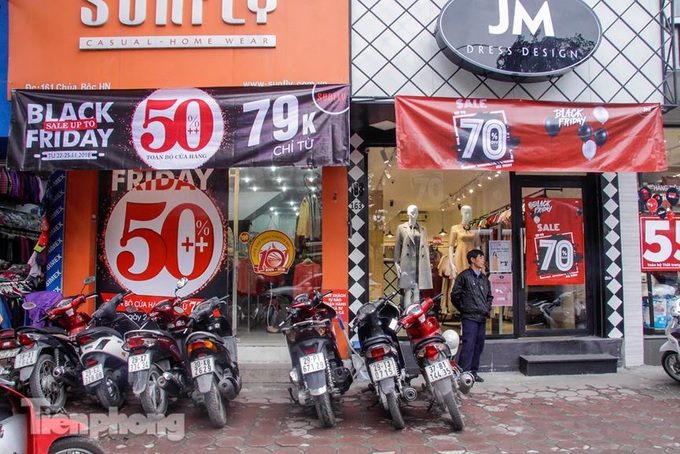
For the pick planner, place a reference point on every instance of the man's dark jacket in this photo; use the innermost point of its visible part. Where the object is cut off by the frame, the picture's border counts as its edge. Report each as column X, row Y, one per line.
column 471, row 295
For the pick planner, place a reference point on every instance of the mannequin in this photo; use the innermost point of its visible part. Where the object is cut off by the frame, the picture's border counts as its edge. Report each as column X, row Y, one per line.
column 461, row 240
column 412, row 257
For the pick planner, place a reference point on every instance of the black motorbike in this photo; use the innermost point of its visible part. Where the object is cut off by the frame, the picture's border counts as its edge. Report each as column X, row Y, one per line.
column 318, row 374
column 212, row 356
column 376, row 324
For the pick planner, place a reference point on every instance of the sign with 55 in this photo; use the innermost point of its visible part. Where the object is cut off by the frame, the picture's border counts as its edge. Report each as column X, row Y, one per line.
column 659, row 244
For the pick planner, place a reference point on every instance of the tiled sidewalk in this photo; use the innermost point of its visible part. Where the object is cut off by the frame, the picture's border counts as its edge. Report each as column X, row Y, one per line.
column 635, row 410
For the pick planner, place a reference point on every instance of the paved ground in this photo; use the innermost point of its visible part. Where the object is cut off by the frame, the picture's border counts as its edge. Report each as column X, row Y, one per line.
column 634, row 410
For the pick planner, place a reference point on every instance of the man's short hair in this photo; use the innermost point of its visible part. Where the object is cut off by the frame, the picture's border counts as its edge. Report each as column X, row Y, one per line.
column 473, row 254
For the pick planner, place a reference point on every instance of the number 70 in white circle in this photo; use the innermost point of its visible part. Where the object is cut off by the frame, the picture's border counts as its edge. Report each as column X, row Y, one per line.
column 653, row 235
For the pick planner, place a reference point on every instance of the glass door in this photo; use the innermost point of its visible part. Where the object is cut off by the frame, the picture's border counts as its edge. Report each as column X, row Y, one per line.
column 556, row 270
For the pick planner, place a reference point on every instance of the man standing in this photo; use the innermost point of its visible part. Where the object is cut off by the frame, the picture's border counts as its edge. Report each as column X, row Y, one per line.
column 471, row 295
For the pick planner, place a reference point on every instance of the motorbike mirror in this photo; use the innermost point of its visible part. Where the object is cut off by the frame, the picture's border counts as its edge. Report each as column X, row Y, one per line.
column 28, row 305
column 89, row 280
column 182, row 282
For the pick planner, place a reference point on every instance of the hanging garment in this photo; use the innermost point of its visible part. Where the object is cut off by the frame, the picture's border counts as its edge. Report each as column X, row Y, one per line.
column 306, row 277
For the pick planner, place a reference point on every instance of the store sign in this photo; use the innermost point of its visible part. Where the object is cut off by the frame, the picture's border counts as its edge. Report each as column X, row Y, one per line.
column 530, row 136
column 554, row 241
column 525, row 39
column 659, row 244
column 187, row 128
column 122, row 44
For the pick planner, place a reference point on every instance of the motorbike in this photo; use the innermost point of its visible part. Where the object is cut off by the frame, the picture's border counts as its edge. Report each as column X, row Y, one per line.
column 435, row 354
column 9, row 348
column 670, row 350
column 104, row 361
column 49, row 361
column 376, row 324
column 24, row 432
column 212, row 355
column 318, row 374
column 156, row 366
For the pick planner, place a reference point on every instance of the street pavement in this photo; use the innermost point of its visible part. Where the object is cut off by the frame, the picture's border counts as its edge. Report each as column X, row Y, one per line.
column 635, row 410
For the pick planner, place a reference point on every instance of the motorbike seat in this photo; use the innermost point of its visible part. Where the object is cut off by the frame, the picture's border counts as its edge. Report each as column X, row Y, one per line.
column 99, row 331
column 437, row 338
column 44, row 330
column 374, row 340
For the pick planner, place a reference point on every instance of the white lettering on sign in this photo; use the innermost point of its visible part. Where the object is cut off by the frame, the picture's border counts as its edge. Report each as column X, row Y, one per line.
column 134, row 12
column 543, row 18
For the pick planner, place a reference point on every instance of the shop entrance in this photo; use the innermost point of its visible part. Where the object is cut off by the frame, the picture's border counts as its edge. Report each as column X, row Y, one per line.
column 555, row 278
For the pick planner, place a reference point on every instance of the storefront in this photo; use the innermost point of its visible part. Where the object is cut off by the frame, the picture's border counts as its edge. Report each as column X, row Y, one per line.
column 225, row 185
column 416, row 110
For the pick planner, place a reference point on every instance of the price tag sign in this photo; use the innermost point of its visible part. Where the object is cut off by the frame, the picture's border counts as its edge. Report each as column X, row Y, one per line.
column 659, row 244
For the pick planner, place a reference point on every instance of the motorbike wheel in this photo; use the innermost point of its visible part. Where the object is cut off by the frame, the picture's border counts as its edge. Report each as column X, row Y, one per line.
column 215, row 405
column 395, row 411
column 154, row 399
column 109, row 393
column 51, row 393
column 76, row 445
column 324, row 410
column 454, row 412
column 671, row 364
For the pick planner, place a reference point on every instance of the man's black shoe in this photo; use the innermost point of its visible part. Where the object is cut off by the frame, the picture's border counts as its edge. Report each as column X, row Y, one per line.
column 478, row 379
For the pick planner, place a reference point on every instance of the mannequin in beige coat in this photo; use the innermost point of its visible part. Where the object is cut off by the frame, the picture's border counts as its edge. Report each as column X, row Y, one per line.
column 412, row 257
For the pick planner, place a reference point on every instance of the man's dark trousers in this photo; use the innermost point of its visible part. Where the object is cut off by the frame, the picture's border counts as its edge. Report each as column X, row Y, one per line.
column 473, row 337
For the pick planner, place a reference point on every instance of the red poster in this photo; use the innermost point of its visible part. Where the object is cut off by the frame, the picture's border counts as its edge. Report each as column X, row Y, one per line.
column 518, row 135
column 659, row 244
column 554, row 241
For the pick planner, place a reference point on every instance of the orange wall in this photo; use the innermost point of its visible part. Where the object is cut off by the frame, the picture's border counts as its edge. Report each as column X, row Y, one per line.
column 334, row 238
column 80, row 231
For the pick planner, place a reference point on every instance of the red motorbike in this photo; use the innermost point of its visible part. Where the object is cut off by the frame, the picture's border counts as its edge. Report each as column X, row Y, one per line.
column 23, row 432
column 318, row 373
column 434, row 352
column 49, row 361
column 156, row 366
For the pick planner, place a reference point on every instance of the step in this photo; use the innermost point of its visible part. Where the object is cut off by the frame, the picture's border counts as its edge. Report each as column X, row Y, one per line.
column 568, row 364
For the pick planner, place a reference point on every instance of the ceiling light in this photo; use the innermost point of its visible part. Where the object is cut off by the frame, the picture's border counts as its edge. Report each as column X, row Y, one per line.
column 389, row 234
column 471, row 190
column 254, row 188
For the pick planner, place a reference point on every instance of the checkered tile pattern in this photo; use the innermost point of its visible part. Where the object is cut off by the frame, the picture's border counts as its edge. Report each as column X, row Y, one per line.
column 612, row 264
column 358, row 233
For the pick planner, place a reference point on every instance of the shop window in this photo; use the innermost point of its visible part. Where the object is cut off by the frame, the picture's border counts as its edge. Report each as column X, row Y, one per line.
column 443, row 198
column 280, row 209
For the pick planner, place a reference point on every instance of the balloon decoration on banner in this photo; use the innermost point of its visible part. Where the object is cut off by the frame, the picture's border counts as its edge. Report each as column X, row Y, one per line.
column 589, row 149
column 601, row 135
column 659, row 199
column 652, row 204
column 601, row 114
column 552, row 126
column 644, row 193
column 662, row 211
column 585, row 131
column 672, row 196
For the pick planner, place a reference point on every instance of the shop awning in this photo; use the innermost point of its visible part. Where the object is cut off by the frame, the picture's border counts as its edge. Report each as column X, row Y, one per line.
column 517, row 135
column 184, row 128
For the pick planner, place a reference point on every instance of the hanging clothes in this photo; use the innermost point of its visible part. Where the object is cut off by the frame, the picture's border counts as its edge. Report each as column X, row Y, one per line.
column 306, row 277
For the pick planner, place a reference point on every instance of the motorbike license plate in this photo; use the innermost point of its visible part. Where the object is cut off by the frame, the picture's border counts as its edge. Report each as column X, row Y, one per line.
column 25, row 359
column 202, row 366
column 139, row 362
column 93, row 374
column 383, row 369
column 4, row 354
column 438, row 371
column 312, row 363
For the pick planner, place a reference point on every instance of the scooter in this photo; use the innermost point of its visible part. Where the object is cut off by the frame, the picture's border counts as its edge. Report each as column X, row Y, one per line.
column 670, row 359
column 25, row 433
column 9, row 348
column 50, row 360
column 376, row 324
column 156, row 366
column 318, row 374
column 212, row 356
column 102, row 356
column 435, row 351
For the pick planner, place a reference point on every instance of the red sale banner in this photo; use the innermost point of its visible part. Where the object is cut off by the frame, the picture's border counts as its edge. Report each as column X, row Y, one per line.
column 554, row 241
column 488, row 134
column 659, row 244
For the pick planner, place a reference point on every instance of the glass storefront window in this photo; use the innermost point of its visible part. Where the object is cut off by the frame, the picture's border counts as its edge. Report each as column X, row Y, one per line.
column 440, row 196
column 281, row 208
